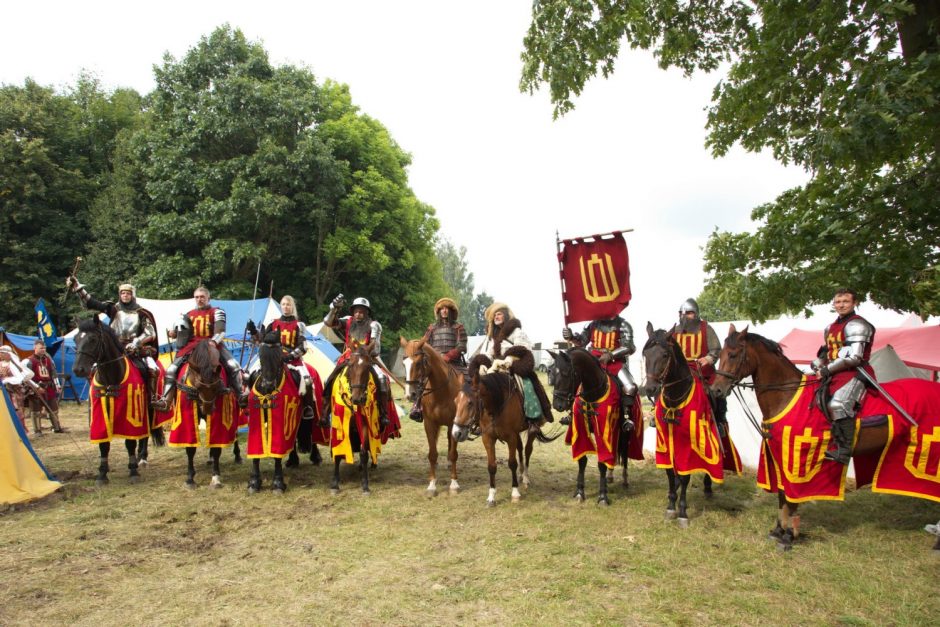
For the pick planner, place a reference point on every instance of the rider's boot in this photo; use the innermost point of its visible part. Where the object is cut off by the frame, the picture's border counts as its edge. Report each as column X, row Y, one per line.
column 626, row 406
column 163, row 402
column 383, row 411
column 843, row 431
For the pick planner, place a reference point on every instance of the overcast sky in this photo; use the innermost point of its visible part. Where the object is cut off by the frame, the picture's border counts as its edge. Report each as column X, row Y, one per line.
column 443, row 78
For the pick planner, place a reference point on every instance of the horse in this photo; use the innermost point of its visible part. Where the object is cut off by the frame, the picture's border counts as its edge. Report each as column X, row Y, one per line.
column 201, row 395
column 438, row 384
column 776, row 382
column 494, row 404
column 119, row 398
column 355, row 416
column 671, row 380
column 274, row 414
column 578, row 368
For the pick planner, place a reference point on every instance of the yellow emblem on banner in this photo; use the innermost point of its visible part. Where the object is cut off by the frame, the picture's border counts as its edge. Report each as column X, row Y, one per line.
column 595, row 271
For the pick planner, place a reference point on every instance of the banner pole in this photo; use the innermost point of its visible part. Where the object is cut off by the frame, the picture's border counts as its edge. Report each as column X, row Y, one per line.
column 561, row 277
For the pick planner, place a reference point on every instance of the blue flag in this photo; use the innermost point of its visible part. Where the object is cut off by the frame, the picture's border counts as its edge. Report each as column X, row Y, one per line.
column 46, row 329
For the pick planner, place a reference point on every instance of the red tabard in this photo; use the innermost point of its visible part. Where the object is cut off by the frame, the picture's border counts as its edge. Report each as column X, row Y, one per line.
column 121, row 416
column 287, row 330
column 595, row 428
column 693, row 445
column 695, row 346
column 221, row 425
column 273, row 419
column 203, row 322
column 43, row 369
column 835, row 340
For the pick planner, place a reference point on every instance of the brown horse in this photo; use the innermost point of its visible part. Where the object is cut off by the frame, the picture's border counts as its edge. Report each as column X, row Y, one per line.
column 438, row 383
column 493, row 403
column 775, row 381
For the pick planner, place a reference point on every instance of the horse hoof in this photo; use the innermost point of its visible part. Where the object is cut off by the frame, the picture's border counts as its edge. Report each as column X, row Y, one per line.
column 683, row 523
column 142, row 463
column 278, row 490
column 783, row 547
column 216, row 483
column 334, row 490
column 671, row 514
column 365, row 492
column 709, row 495
column 516, row 498
column 238, row 460
column 454, row 489
column 101, row 482
column 579, row 497
column 491, row 503
column 430, row 493
column 603, row 500
column 252, row 489
column 133, row 479
column 190, row 485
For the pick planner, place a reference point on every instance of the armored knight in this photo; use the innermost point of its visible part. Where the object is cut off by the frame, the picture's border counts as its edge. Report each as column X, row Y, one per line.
column 848, row 347
column 356, row 328
column 611, row 341
column 135, row 327
column 448, row 337
column 701, row 347
column 205, row 321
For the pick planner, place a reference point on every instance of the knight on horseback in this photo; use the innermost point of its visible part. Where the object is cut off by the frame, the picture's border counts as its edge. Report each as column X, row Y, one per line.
column 134, row 325
column 356, row 328
column 292, row 333
column 448, row 337
column 848, row 347
column 701, row 347
column 611, row 341
column 205, row 321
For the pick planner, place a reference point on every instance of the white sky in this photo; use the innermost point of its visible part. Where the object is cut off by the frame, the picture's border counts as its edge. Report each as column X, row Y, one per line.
column 443, row 78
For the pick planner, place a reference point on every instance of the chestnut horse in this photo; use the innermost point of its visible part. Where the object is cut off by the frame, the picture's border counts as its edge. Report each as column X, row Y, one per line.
column 99, row 358
column 775, row 381
column 669, row 377
column 578, row 369
column 438, row 383
column 493, row 403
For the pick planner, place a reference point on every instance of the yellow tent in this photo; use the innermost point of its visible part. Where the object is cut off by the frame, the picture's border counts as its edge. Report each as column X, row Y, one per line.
column 22, row 475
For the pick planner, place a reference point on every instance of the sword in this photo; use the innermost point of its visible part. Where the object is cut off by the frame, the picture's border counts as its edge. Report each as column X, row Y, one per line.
column 871, row 381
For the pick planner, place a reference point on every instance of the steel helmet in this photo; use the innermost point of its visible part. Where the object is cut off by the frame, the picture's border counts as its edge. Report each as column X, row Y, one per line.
column 689, row 305
column 361, row 302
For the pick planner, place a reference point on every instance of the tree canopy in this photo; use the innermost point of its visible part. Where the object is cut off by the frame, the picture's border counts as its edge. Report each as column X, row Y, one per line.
column 849, row 90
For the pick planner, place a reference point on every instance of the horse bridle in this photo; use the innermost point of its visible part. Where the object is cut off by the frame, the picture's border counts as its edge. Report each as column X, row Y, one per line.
column 422, row 383
column 670, row 362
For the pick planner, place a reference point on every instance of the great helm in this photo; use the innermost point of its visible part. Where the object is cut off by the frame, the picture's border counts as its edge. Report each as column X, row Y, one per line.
column 687, row 306
column 361, row 302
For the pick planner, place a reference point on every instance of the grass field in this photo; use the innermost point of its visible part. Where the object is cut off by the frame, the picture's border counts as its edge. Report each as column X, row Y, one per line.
column 156, row 554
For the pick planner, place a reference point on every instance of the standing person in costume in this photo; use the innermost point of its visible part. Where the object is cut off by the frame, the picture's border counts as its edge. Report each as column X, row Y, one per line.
column 504, row 338
column 701, row 347
column 44, row 375
column 203, row 322
column 356, row 328
column 446, row 336
column 292, row 335
column 848, row 347
column 14, row 375
column 611, row 341
column 135, row 327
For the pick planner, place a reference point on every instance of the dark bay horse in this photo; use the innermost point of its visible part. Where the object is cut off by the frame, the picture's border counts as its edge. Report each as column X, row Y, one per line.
column 776, row 381
column 357, row 423
column 202, row 396
column 274, row 413
column 99, row 358
column 438, row 383
column 578, row 368
column 670, row 378
column 493, row 403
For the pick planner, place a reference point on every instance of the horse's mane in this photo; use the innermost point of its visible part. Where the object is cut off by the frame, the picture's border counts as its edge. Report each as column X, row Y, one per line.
column 662, row 335
column 773, row 347
column 269, row 356
column 93, row 325
column 498, row 386
column 474, row 366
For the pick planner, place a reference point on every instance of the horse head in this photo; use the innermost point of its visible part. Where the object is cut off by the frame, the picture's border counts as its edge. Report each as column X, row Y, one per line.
column 663, row 360
column 469, row 408
column 358, row 373
column 95, row 343
column 565, row 381
column 416, row 366
column 204, row 375
column 271, row 363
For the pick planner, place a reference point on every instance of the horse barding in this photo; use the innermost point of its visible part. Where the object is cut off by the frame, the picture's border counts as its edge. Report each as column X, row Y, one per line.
column 203, row 396
column 355, row 417
column 687, row 436
column 274, row 412
column 590, row 392
column 120, row 402
column 890, row 453
column 493, row 403
column 438, row 383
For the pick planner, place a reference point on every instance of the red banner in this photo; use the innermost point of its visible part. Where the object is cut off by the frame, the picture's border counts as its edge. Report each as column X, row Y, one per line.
column 595, row 276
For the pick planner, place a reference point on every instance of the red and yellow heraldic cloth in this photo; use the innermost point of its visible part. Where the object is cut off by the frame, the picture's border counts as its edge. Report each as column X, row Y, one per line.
column 365, row 420
column 221, row 425
column 123, row 415
column 273, row 419
column 792, row 459
column 693, row 445
column 595, row 428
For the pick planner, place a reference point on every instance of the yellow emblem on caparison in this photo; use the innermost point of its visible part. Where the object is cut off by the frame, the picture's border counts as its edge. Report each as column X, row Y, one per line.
column 919, row 465
column 595, row 271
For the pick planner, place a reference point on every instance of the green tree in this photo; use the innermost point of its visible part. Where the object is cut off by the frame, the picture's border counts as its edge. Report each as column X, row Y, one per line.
column 820, row 84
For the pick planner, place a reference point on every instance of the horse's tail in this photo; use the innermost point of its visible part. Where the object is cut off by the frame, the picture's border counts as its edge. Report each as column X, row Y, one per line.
column 305, row 436
column 158, row 436
column 542, row 437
